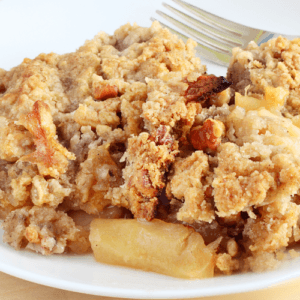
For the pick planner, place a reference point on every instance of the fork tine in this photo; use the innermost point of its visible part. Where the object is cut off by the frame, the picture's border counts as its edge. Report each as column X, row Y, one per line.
column 211, row 42
column 223, row 24
column 202, row 50
column 227, row 38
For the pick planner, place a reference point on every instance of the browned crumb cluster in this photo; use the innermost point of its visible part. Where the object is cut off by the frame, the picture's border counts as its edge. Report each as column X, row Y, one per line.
column 275, row 63
column 131, row 126
column 148, row 158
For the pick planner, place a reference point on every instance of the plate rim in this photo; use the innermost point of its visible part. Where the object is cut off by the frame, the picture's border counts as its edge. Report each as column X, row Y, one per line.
column 146, row 294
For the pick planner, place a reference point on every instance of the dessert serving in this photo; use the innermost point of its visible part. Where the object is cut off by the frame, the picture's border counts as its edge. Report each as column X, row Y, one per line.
column 131, row 149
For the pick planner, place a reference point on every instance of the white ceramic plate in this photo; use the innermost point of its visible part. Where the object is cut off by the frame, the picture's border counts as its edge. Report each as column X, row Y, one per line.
column 29, row 27
column 83, row 274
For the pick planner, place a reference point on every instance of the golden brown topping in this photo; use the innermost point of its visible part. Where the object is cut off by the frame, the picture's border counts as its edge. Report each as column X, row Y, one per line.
column 32, row 235
column 205, row 86
column 35, row 127
column 143, row 184
column 162, row 137
column 50, row 156
column 207, row 136
column 15, row 140
column 187, row 182
column 42, row 229
column 97, row 174
column 147, row 184
column 105, row 92
column 147, row 210
column 226, row 264
column 148, row 158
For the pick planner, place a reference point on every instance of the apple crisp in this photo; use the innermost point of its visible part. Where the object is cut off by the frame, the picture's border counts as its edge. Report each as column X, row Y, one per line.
column 130, row 126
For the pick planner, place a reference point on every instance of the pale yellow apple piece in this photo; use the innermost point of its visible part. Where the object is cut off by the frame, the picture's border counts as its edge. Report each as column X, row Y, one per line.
column 157, row 246
column 273, row 100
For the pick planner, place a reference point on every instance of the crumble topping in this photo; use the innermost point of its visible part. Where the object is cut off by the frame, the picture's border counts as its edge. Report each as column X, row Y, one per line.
column 131, row 126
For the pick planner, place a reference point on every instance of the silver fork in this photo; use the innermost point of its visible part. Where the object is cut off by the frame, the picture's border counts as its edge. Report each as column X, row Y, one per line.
column 215, row 36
